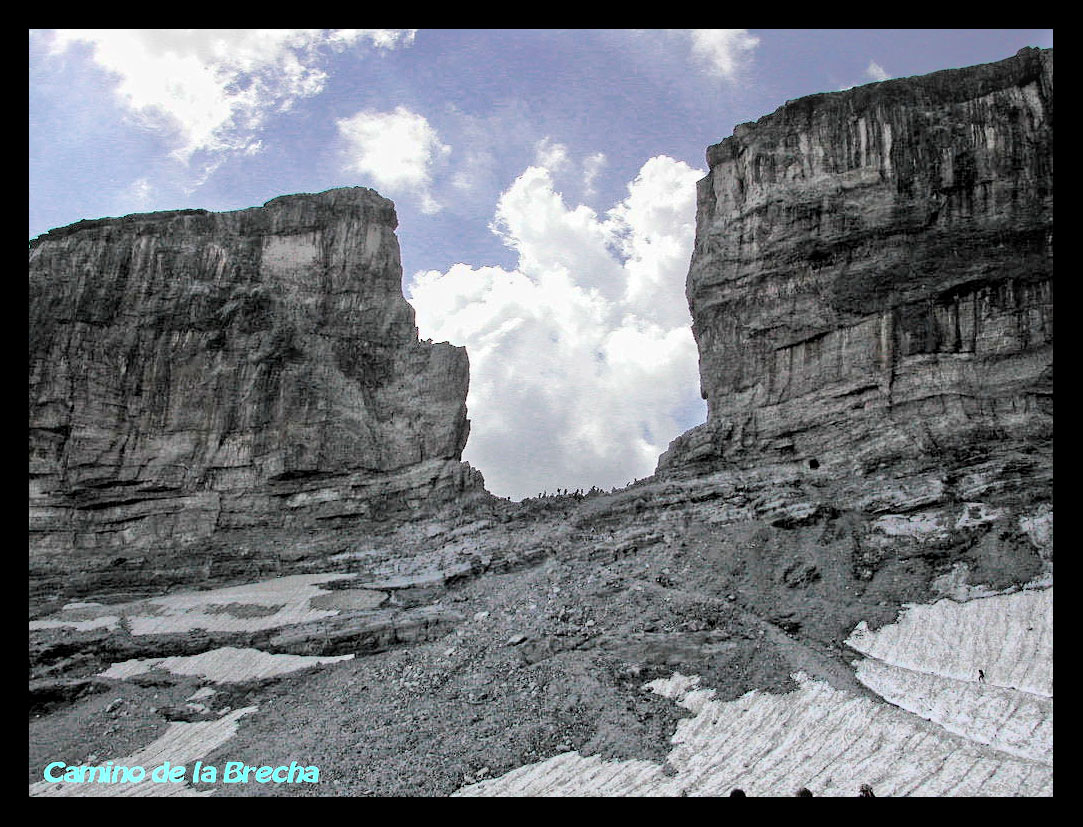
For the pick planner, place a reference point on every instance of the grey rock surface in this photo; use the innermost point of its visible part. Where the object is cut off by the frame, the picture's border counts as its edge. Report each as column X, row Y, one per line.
column 238, row 444
column 872, row 280
column 194, row 372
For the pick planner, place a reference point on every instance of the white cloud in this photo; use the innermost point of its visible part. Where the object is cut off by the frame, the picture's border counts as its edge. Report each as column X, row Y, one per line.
column 380, row 38
column 137, row 196
column 533, row 220
column 212, row 89
column 551, row 155
column 554, row 157
column 658, row 219
column 395, row 150
column 592, row 165
column 474, row 170
column 876, row 71
column 582, row 356
column 722, row 50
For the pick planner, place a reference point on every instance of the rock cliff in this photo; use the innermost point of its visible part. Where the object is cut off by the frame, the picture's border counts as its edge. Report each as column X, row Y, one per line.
column 872, row 295
column 192, row 372
column 872, row 279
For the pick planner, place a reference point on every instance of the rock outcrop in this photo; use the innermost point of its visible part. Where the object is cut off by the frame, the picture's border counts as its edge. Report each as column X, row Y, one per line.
column 192, row 372
column 872, row 296
column 872, row 280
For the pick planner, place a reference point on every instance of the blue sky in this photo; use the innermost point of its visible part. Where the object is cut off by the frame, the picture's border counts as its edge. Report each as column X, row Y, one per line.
column 544, row 182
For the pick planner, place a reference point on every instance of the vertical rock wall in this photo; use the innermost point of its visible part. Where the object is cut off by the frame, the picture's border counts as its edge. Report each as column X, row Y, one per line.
column 872, row 278
column 194, row 371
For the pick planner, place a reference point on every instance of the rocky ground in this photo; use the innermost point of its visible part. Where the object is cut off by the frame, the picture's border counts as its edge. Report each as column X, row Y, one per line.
column 487, row 640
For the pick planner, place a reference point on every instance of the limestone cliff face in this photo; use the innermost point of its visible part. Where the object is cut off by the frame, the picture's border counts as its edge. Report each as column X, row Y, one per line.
column 873, row 275
column 193, row 371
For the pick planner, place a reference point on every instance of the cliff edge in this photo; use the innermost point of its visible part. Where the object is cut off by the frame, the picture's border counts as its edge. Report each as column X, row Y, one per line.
column 192, row 372
column 872, row 279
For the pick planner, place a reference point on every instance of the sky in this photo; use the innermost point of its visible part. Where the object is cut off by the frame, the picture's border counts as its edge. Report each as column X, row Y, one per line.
column 544, row 182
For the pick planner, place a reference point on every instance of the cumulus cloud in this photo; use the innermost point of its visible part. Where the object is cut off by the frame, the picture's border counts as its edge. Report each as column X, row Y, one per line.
column 656, row 228
column 592, row 166
column 583, row 171
column 581, row 357
column 550, row 154
column 722, row 50
column 394, row 150
column 532, row 219
column 876, row 71
column 212, row 89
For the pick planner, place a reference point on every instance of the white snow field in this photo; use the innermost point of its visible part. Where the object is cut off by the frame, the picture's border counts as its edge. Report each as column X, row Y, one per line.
column 225, row 665
column 267, row 604
column 942, row 733
column 928, row 663
column 181, row 744
column 1010, row 636
column 938, row 731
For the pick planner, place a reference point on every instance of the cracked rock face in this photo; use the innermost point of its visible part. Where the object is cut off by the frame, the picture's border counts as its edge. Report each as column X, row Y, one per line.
column 875, row 327
column 872, row 278
column 194, row 371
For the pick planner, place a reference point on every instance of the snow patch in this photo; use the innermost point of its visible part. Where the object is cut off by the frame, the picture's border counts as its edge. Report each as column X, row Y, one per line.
column 942, row 733
column 828, row 740
column 183, row 743
column 282, row 601
column 224, row 665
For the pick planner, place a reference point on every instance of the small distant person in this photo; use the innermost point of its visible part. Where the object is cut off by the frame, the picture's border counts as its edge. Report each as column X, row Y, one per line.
column 866, row 792
column 981, row 676
column 804, row 792
column 737, row 792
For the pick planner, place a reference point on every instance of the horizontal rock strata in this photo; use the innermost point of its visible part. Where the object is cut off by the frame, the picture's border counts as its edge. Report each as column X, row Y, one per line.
column 872, row 291
column 872, row 280
column 192, row 372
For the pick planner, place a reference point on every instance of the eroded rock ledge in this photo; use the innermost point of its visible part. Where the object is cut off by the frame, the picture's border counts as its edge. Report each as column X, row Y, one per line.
column 872, row 281
column 193, row 372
